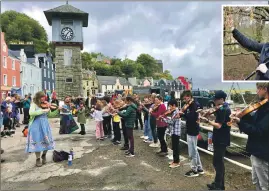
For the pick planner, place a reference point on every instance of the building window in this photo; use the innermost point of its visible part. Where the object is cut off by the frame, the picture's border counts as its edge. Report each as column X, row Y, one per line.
column 48, row 65
column 128, row 87
column 14, row 81
column 5, row 80
column 31, row 73
column 53, row 86
column 92, row 83
column 5, row 62
column 13, row 64
column 118, row 87
column 87, row 83
column 4, row 48
column 67, row 57
column 123, row 87
column 45, row 71
column 48, row 85
column 52, row 75
column 45, row 85
column 48, row 74
column 68, row 80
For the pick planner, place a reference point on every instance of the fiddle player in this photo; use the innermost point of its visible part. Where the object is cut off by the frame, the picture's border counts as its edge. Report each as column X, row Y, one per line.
column 256, row 126
column 193, row 128
column 175, row 128
column 261, row 48
column 221, row 139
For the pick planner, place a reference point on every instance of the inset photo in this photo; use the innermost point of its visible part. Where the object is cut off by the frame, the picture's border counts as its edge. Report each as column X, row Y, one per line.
column 245, row 39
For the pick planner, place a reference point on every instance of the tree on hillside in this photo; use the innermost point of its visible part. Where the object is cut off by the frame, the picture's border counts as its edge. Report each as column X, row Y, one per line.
column 20, row 27
column 165, row 75
column 148, row 62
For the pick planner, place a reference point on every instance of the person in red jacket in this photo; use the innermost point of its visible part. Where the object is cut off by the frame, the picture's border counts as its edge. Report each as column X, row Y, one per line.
column 158, row 110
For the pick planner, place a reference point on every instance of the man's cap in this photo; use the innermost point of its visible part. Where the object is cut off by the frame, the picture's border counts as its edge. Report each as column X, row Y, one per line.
column 220, row 94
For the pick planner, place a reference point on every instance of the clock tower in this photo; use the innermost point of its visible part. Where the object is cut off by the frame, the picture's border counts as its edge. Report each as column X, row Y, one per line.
column 67, row 23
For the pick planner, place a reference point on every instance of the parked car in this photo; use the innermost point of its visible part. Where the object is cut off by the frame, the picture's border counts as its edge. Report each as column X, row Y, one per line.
column 203, row 98
column 99, row 95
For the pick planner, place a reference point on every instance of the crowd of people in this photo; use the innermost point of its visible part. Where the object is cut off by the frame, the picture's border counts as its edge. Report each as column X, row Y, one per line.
column 116, row 118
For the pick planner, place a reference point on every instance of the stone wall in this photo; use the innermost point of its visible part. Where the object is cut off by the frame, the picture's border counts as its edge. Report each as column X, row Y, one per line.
column 62, row 72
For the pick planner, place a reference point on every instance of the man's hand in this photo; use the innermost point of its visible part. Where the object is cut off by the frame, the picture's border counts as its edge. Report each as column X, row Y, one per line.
column 262, row 68
column 234, row 118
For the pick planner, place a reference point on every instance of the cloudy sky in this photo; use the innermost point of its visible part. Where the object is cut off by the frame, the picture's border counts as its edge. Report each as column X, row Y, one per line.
column 185, row 35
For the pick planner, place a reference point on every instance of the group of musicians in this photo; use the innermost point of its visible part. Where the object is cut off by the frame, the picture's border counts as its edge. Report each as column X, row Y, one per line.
column 253, row 121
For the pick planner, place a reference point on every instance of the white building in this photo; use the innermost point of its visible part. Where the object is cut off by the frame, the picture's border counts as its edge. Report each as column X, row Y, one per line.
column 31, row 78
column 109, row 84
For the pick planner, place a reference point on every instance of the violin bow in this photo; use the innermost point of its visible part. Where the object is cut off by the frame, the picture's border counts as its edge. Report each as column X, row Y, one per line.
column 254, row 72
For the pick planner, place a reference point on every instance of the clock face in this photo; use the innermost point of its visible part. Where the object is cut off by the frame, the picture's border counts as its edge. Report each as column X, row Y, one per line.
column 67, row 33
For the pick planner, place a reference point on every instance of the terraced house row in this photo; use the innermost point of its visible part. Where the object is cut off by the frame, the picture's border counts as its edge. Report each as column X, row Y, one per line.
column 23, row 71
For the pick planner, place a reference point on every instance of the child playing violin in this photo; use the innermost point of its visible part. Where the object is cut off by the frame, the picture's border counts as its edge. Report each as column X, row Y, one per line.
column 175, row 130
column 116, row 123
column 82, row 117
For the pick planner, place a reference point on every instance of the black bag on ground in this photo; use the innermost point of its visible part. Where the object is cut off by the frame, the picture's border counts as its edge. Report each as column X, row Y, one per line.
column 60, row 156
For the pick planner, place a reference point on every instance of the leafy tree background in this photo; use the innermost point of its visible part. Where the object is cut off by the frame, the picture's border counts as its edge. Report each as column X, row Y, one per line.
column 20, row 27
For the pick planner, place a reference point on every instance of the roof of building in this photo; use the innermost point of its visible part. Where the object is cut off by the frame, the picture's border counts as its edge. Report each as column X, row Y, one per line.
column 14, row 53
column 65, row 10
column 111, row 80
column 31, row 60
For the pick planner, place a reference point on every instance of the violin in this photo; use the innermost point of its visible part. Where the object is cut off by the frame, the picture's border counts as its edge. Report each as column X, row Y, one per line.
column 167, row 113
column 184, row 108
column 156, row 106
column 205, row 115
column 47, row 105
column 248, row 110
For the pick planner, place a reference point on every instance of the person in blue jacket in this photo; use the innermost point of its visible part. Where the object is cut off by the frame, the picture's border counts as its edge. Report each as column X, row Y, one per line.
column 256, row 126
column 261, row 48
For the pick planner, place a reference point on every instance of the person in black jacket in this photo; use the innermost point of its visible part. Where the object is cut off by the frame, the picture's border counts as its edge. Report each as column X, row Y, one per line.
column 193, row 128
column 221, row 139
column 261, row 48
column 256, row 126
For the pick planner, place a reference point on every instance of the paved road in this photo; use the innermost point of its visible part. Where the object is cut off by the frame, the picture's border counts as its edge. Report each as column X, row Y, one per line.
column 99, row 165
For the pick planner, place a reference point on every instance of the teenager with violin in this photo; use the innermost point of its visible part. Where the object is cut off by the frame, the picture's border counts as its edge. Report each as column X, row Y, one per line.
column 129, row 116
column 256, row 126
column 158, row 110
column 221, row 138
column 144, row 106
column 174, row 129
column 262, row 72
column 39, row 138
column 188, row 111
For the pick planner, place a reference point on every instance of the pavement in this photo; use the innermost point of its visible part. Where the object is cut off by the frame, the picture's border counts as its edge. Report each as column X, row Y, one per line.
column 97, row 165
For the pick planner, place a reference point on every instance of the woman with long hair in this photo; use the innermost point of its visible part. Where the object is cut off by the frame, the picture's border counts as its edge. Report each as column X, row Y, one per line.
column 39, row 136
column 67, row 122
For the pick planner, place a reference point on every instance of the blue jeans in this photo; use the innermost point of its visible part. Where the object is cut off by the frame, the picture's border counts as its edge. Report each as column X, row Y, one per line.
column 147, row 129
column 1, row 122
column 193, row 153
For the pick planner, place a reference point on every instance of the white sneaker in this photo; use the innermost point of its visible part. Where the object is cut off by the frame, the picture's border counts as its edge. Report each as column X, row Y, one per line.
column 142, row 137
column 148, row 141
column 155, row 145
column 146, row 137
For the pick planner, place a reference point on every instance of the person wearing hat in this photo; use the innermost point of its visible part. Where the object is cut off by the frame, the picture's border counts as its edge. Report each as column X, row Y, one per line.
column 256, row 126
column 221, row 139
